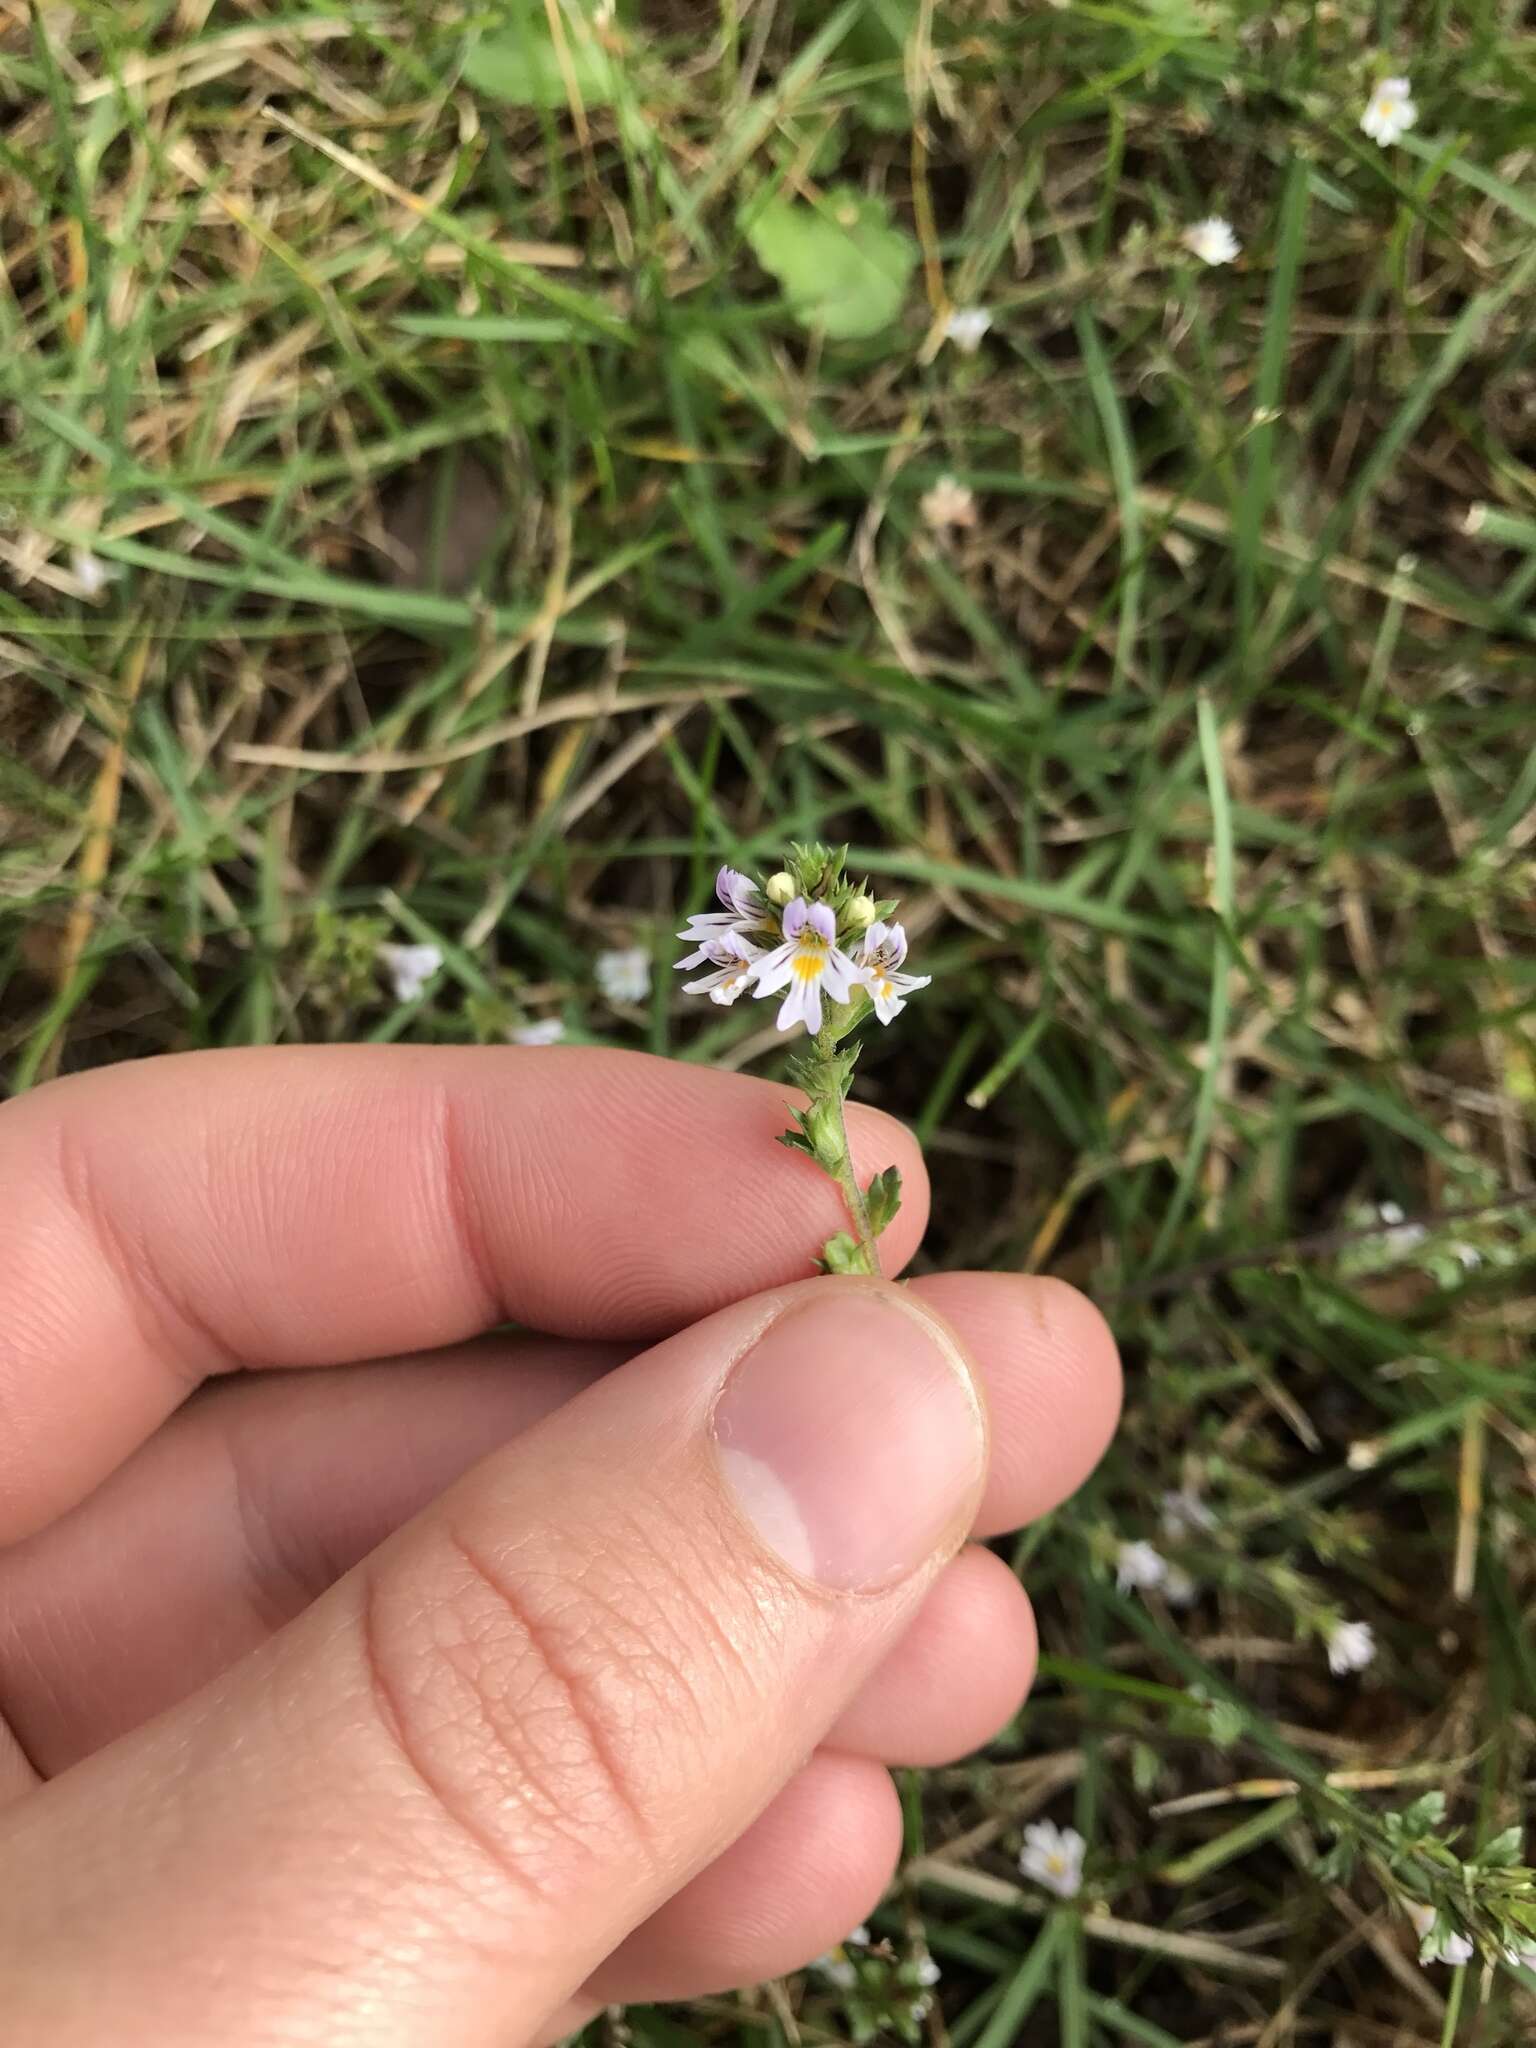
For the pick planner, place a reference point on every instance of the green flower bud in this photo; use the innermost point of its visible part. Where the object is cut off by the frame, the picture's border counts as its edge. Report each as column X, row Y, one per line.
column 861, row 913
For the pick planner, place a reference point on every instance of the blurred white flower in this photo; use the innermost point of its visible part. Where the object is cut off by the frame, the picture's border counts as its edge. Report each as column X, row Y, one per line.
column 1139, row 1568
column 1446, row 1946
column 1184, row 1513
column 1351, row 1647
column 91, row 572
column 1179, row 1589
column 928, row 1972
column 1053, row 1857
column 1519, row 1955
column 948, row 504
column 1467, row 1256
column 624, row 976
column 837, row 1970
column 1212, row 240
column 409, row 968
column 1399, row 1237
column 1390, row 111
column 859, row 1938
column 966, row 327
column 547, row 1031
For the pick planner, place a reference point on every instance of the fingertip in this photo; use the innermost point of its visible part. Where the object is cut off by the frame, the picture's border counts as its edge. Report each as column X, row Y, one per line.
column 959, row 1674
column 1052, row 1374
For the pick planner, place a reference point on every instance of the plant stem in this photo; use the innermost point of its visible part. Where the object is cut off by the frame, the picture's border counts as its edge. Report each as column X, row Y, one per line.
column 844, row 1175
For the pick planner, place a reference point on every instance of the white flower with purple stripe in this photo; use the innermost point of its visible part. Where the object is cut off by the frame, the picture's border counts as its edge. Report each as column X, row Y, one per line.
column 877, row 962
column 732, row 961
column 744, row 906
column 808, row 960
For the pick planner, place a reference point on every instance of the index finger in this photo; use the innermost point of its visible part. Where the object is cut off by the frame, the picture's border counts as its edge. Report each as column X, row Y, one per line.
column 318, row 1205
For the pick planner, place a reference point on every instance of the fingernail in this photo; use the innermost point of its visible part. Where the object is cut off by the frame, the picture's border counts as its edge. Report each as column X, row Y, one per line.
column 851, row 1436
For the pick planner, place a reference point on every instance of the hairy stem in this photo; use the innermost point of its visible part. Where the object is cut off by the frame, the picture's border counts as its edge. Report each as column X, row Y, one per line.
column 843, row 1171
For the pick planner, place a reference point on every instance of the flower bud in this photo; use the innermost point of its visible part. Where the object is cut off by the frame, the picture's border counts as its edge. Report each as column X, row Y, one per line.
column 780, row 888
column 861, row 912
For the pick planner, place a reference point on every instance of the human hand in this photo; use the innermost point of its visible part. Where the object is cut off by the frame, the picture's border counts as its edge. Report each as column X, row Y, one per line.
column 348, row 1738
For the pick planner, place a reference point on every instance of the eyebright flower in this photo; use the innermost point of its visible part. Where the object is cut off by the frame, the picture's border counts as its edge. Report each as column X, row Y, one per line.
column 733, row 962
column 1212, row 240
column 91, row 572
column 948, row 504
column 1053, row 1857
column 1351, row 1647
column 880, row 954
column 409, row 968
column 743, row 908
column 966, row 327
column 1390, row 111
column 1439, row 1942
column 1179, row 1589
column 808, row 958
column 1139, row 1568
column 1184, row 1513
column 837, row 1969
column 927, row 1972
column 547, row 1031
column 624, row 976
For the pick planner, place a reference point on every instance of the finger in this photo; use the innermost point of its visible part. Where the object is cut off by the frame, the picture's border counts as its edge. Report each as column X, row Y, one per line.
column 235, row 1515
column 958, row 1675
column 266, row 1489
column 438, row 1801
column 1053, row 1385
column 314, row 1206
column 812, row 1866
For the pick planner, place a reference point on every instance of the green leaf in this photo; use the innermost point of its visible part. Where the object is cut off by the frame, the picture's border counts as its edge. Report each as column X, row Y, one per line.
column 520, row 66
column 883, row 1195
column 841, row 1254
column 796, row 1143
column 843, row 266
column 1503, row 1852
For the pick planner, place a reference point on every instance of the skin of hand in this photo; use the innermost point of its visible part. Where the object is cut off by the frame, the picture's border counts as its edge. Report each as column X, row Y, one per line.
column 371, row 1679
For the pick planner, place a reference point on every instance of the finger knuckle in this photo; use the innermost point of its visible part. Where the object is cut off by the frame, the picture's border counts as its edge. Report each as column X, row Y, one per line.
column 527, row 1702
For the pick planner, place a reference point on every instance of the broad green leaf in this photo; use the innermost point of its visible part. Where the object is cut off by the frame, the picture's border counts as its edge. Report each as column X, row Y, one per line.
column 843, row 266
column 518, row 62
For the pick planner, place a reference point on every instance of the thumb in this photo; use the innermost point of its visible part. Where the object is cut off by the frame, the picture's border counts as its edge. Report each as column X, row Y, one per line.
column 432, row 1806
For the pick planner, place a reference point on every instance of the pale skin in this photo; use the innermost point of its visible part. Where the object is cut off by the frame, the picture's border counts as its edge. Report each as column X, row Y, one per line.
column 369, row 1678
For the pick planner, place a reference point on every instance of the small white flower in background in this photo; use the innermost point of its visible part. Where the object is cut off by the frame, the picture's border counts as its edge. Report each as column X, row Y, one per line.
column 876, row 964
column 1212, row 240
column 859, row 1938
column 733, row 961
column 1519, row 1955
column 547, row 1031
column 948, row 504
column 1184, row 1513
column 928, row 1972
column 967, row 327
column 624, row 976
column 1390, row 111
column 837, row 1970
column 809, row 957
column 91, row 572
column 1467, row 1256
column 1399, row 1237
column 1139, row 1568
column 1446, row 1946
column 1179, row 1589
column 1053, row 1857
column 1351, row 1647
column 409, row 968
